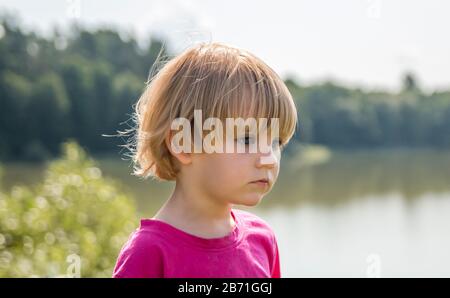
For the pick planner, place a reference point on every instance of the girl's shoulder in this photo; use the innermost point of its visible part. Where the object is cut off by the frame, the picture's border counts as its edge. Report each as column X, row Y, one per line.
column 150, row 233
column 253, row 223
column 141, row 240
column 140, row 256
column 251, row 218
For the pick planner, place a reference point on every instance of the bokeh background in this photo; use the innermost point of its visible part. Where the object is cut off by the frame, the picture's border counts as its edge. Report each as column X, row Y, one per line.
column 364, row 187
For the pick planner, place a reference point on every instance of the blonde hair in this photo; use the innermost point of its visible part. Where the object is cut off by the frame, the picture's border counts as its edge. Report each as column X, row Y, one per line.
column 221, row 80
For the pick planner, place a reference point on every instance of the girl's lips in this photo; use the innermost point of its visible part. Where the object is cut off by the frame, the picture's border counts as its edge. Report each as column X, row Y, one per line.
column 262, row 182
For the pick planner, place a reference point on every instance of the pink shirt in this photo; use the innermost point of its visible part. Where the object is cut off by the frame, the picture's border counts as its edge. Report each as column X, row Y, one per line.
column 158, row 249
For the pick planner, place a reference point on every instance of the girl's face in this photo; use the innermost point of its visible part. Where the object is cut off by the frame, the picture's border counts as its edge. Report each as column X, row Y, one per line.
column 230, row 177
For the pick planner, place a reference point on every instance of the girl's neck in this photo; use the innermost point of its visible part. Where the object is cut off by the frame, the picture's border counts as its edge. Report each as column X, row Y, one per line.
column 189, row 210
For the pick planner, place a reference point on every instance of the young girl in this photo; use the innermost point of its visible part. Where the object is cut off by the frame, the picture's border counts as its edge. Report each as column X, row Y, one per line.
column 197, row 233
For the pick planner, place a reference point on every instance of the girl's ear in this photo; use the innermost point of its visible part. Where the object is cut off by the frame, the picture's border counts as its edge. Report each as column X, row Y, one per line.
column 184, row 158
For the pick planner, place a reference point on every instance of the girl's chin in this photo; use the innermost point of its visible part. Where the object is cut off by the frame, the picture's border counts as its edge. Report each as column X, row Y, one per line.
column 250, row 201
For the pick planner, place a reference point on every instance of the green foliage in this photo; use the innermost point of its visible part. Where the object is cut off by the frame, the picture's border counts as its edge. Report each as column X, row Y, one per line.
column 83, row 84
column 73, row 211
column 349, row 118
column 78, row 85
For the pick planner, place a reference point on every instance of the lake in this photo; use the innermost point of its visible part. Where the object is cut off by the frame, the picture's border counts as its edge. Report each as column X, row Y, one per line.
column 365, row 213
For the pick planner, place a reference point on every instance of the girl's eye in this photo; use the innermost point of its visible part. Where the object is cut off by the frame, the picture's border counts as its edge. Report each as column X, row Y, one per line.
column 247, row 140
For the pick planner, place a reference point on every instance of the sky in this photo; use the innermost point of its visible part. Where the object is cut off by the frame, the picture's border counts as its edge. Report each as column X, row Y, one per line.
column 360, row 43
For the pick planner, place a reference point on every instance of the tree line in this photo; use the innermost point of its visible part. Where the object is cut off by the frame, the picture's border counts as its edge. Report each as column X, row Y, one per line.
column 83, row 83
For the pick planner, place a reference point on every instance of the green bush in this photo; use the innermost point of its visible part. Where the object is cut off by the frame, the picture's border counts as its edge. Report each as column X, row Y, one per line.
column 73, row 211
